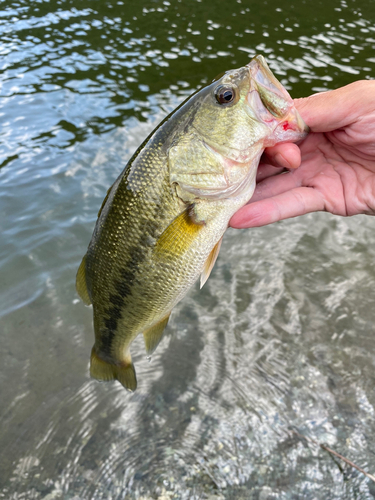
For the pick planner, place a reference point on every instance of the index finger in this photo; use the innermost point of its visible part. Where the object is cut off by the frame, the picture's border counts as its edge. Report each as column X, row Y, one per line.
column 298, row 201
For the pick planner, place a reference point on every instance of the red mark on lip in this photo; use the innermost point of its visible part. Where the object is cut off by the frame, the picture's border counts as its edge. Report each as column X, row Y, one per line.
column 286, row 126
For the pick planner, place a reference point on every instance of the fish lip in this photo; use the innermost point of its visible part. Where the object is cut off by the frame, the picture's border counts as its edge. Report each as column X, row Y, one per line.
column 262, row 76
column 291, row 128
column 296, row 123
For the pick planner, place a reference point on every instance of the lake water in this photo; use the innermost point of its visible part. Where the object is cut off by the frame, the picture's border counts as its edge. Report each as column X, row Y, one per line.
column 280, row 340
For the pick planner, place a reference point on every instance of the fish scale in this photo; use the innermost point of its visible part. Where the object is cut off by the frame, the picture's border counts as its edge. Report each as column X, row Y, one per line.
column 161, row 224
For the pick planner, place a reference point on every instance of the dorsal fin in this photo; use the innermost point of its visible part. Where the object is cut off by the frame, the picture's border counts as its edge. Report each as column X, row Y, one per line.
column 210, row 262
column 104, row 201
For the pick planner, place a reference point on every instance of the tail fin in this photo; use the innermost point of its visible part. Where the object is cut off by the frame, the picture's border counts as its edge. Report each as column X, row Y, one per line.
column 124, row 373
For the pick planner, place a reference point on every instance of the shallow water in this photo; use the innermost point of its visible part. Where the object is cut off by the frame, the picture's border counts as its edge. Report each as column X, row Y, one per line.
column 280, row 339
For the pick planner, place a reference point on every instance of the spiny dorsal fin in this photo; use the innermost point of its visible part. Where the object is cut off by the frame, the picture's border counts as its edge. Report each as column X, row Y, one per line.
column 154, row 335
column 81, row 285
column 180, row 234
column 104, row 371
column 104, row 201
column 210, row 262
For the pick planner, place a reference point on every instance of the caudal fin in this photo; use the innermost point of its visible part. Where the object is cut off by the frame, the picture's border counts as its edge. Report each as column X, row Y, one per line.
column 104, row 371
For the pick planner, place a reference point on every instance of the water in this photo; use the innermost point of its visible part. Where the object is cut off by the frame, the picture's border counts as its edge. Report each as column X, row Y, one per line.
column 279, row 339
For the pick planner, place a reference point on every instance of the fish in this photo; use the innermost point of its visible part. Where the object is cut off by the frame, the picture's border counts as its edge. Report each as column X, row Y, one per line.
column 161, row 223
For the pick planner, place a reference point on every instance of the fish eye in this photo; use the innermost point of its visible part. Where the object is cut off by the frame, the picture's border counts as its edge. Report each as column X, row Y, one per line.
column 225, row 95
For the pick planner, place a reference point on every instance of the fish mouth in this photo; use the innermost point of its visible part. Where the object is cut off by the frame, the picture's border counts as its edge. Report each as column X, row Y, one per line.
column 293, row 128
column 263, row 77
column 273, row 104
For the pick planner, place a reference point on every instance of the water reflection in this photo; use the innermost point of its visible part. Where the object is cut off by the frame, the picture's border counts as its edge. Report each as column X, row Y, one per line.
column 280, row 338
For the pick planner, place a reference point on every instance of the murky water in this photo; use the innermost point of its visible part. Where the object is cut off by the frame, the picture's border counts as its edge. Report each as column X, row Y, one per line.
column 280, row 339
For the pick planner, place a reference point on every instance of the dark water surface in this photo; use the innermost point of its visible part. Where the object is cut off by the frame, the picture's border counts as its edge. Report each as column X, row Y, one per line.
column 281, row 338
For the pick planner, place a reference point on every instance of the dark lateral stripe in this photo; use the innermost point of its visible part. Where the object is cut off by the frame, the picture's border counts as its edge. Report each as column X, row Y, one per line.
column 123, row 286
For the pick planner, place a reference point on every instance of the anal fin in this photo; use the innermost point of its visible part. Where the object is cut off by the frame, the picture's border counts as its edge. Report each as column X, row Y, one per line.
column 104, row 371
column 81, row 285
column 154, row 335
column 210, row 262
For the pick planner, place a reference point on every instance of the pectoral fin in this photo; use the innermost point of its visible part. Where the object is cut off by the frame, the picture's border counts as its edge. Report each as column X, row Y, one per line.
column 210, row 262
column 104, row 371
column 179, row 235
column 154, row 335
column 81, row 285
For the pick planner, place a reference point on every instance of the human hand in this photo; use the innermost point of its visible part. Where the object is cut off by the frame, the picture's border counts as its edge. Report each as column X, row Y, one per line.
column 336, row 162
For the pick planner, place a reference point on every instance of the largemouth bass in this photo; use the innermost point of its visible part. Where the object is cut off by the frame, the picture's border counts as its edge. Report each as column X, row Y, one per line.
column 161, row 224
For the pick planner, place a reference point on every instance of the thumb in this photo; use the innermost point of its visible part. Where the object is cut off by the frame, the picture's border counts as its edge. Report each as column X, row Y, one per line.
column 338, row 108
